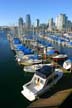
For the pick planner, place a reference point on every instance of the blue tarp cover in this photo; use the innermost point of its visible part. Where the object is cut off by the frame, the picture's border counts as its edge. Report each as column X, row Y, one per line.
column 51, row 52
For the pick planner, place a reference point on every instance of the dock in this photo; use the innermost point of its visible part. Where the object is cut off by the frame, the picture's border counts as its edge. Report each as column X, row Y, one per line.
column 52, row 102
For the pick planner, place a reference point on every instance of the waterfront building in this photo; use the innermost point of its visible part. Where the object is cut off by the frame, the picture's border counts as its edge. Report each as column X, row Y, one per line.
column 61, row 22
column 69, row 26
column 51, row 25
column 20, row 27
column 28, row 21
column 36, row 25
column 42, row 28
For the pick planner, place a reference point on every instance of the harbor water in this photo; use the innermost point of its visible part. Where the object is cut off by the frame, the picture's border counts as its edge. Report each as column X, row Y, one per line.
column 12, row 76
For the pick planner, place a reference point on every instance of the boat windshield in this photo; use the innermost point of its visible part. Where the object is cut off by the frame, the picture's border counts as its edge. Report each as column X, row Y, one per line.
column 38, row 81
column 45, row 71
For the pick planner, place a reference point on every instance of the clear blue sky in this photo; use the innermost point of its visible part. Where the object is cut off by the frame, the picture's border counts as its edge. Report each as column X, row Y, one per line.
column 11, row 10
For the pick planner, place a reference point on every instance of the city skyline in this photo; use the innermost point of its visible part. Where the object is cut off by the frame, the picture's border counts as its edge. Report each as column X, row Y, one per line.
column 11, row 10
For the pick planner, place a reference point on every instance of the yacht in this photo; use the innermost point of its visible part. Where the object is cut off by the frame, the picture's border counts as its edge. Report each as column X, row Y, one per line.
column 67, row 64
column 60, row 57
column 43, row 79
column 33, row 68
column 30, row 60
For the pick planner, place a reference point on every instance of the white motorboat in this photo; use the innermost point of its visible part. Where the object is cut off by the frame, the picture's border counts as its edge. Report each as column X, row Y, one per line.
column 30, row 59
column 33, row 68
column 20, row 55
column 41, row 81
column 67, row 64
column 59, row 57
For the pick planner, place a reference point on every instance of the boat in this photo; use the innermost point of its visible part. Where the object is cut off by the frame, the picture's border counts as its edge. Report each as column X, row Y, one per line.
column 52, row 52
column 27, row 62
column 50, row 48
column 67, row 64
column 19, row 55
column 60, row 57
column 30, row 59
column 33, row 68
column 42, row 80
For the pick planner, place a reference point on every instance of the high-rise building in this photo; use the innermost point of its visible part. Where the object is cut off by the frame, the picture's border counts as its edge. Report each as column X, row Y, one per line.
column 42, row 28
column 61, row 22
column 37, row 23
column 20, row 27
column 51, row 25
column 20, row 21
column 69, row 25
column 28, row 21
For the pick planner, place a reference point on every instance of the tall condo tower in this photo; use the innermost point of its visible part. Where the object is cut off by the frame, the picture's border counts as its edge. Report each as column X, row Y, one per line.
column 20, row 27
column 28, row 21
column 36, row 25
column 51, row 24
column 61, row 22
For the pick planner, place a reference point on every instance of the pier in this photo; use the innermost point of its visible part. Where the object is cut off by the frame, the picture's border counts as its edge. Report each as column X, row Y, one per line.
column 54, row 101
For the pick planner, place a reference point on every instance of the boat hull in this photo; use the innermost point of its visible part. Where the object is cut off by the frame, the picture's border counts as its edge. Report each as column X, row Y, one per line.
column 67, row 64
column 59, row 59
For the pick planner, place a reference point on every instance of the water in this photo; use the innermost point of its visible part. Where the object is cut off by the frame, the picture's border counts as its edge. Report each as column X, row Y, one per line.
column 12, row 78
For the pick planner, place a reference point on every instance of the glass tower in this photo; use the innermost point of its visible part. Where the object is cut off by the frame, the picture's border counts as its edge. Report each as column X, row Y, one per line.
column 20, row 27
column 28, row 21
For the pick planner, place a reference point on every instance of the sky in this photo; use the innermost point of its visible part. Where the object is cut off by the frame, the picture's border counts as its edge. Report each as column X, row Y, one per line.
column 11, row 10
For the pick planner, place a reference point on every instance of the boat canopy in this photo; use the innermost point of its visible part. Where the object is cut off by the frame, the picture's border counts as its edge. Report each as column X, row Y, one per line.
column 16, row 41
column 51, row 52
column 20, row 47
column 70, row 59
column 28, row 51
column 44, row 42
column 45, row 71
column 24, row 49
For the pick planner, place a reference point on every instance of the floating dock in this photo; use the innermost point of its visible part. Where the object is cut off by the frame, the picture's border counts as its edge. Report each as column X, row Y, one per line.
column 54, row 101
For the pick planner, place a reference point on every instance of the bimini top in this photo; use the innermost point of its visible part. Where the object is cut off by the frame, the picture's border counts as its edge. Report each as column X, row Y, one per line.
column 16, row 41
column 45, row 71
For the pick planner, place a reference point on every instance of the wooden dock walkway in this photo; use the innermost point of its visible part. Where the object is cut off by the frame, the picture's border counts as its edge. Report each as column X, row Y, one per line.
column 52, row 102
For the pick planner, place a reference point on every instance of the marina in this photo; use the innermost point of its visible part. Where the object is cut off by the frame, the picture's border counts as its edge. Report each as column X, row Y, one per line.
column 15, row 72
column 36, row 54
